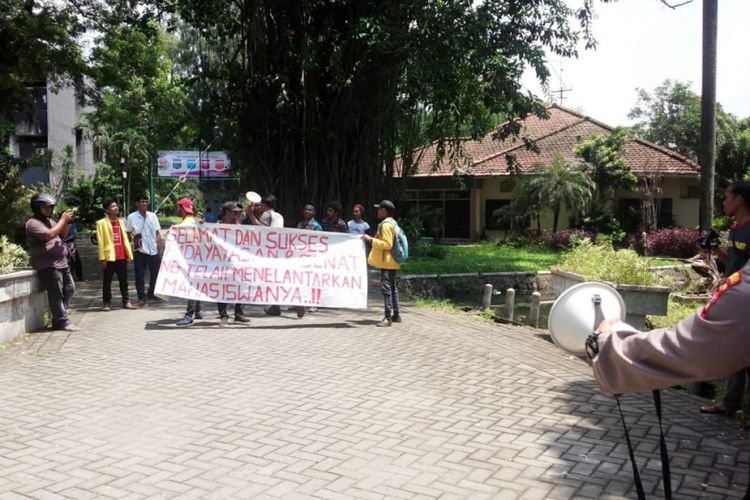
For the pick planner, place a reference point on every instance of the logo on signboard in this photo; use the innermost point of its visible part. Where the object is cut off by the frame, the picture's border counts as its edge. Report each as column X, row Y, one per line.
column 193, row 163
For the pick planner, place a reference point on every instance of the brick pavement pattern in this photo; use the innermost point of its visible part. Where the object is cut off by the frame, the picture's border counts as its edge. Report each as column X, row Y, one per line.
column 330, row 407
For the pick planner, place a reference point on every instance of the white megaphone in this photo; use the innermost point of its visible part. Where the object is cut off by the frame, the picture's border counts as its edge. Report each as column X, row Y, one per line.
column 577, row 312
column 253, row 197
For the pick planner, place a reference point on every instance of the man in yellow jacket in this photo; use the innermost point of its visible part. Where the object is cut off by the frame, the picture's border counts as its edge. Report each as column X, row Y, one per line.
column 381, row 258
column 114, row 254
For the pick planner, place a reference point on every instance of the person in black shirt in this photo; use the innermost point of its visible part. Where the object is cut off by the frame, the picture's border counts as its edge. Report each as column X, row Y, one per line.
column 332, row 221
column 735, row 256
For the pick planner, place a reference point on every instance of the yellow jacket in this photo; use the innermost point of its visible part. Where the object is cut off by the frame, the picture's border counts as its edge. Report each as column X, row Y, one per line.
column 380, row 256
column 105, row 237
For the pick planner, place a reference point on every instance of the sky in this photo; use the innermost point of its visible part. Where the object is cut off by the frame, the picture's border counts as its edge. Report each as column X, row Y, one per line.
column 641, row 43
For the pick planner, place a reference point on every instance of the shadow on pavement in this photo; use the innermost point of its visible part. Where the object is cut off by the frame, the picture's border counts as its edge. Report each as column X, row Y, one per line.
column 707, row 456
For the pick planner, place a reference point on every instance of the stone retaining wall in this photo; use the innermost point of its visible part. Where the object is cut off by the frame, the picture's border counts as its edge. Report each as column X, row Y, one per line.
column 22, row 304
column 470, row 286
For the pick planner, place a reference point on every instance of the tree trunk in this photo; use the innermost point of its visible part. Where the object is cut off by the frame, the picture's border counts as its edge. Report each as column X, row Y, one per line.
column 556, row 218
column 708, row 113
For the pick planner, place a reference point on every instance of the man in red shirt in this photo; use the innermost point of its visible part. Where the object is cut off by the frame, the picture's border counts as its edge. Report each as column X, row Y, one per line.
column 114, row 254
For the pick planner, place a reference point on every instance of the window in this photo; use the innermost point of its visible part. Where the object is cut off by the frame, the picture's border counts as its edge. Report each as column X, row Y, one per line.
column 444, row 213
column 512, row 220
column 664, row 210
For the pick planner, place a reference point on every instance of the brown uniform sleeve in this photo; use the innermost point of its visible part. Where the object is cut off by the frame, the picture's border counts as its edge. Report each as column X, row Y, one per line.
column 710, row 344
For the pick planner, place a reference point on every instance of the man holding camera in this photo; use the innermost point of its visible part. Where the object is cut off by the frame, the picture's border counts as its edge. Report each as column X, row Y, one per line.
column 735, row 256
column 49, row 256
column 143, row 226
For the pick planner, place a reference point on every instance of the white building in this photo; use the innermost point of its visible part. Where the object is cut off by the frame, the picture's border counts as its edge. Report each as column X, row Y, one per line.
column 55, row 113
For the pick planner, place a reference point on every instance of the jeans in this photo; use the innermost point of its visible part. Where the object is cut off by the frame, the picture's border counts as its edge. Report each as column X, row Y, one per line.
column 390, row 292
column 238, row 310
column 735, row 390
column 120, row 268
column 193, row 307
column 60, row 288
column 143, row 261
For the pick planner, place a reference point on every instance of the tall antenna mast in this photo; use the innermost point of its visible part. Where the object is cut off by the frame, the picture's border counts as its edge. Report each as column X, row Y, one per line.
column 561, row 91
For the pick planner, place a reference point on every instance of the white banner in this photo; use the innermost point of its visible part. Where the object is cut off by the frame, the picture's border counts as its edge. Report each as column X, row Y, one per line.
column 193, row 164
column 236, row 263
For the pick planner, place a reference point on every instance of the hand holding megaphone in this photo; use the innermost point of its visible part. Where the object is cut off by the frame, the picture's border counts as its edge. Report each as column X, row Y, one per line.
column 580, row 310
column 253, row 197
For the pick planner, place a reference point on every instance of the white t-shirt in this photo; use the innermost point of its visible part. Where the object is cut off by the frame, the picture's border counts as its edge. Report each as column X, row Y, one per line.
column 358, row 227
column 147, row 228
column 272, row 218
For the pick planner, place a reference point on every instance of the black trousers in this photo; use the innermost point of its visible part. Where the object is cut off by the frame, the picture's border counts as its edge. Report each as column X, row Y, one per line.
column 390, row 292
column 120, row 268
column 143, row 262
column 193, row 306
column 60, row 288
column 223, row 309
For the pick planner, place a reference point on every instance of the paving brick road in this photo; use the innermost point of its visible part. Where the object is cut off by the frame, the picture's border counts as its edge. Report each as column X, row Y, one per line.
column 328, row 406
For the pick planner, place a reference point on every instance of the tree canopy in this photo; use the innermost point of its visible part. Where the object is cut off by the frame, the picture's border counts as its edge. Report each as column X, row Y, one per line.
column 314, row 100
column 670, row 116
column 38, row 42
column 317, row 98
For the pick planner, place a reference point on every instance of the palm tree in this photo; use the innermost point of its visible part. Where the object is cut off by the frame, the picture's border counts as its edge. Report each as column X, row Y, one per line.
column 559, row 184
column 98, row 134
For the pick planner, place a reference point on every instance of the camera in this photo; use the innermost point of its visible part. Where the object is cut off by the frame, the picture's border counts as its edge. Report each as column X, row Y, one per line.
column 708, row 240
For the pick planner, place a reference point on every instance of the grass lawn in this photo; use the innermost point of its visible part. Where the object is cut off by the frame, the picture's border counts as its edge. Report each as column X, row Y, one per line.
column 483, row 257
column 489, row 257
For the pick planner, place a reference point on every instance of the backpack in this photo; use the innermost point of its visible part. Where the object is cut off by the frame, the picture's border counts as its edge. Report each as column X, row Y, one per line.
column 400, row 249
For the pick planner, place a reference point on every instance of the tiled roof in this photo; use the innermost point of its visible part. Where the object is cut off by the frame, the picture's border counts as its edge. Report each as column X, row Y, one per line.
column 557, row 135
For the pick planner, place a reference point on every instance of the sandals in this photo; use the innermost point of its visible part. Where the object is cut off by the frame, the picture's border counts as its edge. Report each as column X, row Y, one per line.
column 715, row 409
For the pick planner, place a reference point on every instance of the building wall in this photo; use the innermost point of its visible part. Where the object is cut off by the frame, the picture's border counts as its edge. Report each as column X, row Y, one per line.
column 686, row 200
column 681, row 190
column 55, row 115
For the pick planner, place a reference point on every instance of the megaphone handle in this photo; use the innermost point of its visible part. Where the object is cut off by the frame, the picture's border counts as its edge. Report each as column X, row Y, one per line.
column 598, row 314
column 636, row 475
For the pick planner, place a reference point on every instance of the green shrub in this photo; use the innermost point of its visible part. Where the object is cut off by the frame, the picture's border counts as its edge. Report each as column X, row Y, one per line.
column 601, row 262
column 89, row 192
column 518, row 240
column 676, row 312
column 14, row 197
column 12, row 256
column 722, row 223
column 435, row 251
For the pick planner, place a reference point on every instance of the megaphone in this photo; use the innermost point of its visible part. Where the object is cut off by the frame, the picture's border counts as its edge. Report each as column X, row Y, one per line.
column 253, row 197
column 577, row 312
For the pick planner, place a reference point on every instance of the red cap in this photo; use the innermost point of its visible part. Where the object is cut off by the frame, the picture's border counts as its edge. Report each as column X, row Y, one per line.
column 186, row 205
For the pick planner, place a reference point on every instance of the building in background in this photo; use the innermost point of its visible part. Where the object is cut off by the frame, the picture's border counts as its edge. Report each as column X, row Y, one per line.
column 465, row 212
column 54, row 115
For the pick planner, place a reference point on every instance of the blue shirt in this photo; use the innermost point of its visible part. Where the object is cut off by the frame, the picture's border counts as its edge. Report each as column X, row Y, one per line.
column 313, row 225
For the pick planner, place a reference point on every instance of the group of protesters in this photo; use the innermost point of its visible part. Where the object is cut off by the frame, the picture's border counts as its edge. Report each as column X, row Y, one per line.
column 137, row 239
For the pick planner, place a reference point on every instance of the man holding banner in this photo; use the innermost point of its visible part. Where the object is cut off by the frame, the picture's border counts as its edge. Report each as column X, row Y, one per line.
column 230, row 214
column 269, row 217
column 193, row 309
column 247, row 264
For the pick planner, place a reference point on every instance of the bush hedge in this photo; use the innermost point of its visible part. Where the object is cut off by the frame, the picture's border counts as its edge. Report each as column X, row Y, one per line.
column 672, row 242
column 601, row 262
